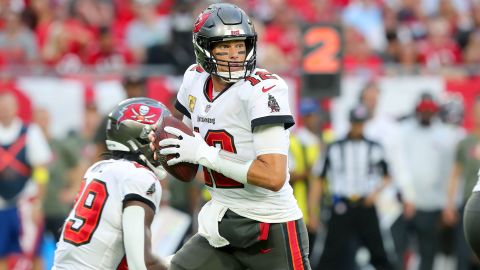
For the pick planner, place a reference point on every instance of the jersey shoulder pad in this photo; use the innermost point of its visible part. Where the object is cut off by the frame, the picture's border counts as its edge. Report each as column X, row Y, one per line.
column 193, row 71
column 192, row 75
column 139, row 183
column 196, row 68
column 138, row 168
column 263, row 83
column 99, row 167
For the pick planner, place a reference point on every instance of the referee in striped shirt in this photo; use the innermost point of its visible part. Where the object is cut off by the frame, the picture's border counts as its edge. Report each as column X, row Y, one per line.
column 356, row 171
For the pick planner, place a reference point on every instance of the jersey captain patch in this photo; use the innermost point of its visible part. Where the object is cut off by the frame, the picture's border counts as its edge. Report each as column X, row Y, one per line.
column 273, row 104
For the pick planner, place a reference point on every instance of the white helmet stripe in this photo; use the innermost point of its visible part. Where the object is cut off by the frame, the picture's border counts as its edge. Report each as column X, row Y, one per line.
column 250, row 54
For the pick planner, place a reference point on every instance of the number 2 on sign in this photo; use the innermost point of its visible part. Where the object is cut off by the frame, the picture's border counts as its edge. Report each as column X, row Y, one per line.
column 325, row 44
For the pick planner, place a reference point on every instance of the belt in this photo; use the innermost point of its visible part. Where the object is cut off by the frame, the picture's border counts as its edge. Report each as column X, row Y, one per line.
column 353, row 200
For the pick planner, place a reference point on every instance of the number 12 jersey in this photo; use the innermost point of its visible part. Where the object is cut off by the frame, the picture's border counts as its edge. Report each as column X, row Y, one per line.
column 227, row 121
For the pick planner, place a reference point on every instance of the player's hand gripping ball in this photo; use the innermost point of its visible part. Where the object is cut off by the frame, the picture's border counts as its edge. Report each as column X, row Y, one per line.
column 183, row 171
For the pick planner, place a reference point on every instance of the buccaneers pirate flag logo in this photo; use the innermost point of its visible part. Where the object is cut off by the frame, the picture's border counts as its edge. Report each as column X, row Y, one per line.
column 273, row 104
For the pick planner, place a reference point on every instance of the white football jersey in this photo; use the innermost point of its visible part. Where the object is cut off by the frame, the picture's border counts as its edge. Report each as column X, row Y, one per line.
column 92, row 236
column 227, row 121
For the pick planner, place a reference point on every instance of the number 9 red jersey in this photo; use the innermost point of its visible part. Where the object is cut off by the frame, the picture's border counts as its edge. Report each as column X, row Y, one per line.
column 92, row 237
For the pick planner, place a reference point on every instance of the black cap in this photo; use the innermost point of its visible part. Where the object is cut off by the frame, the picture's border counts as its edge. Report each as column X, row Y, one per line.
column 359, row 114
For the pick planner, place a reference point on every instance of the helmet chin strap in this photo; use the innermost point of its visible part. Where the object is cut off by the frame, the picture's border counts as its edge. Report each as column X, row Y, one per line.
column 231, row 77
column 158, row 171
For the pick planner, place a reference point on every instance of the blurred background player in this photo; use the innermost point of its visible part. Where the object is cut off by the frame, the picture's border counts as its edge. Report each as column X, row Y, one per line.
column 464, row 172
column 24, row 153
column 452, row 114
column 110, row 222
column 471, row 220
column 422, row 214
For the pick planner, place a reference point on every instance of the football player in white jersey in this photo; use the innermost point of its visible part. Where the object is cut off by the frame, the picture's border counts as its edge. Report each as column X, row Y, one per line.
column 109, row 225
column 240, row 116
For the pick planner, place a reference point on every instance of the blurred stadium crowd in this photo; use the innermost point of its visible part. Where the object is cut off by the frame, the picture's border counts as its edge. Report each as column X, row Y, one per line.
column 71, row 35
column 144, row 45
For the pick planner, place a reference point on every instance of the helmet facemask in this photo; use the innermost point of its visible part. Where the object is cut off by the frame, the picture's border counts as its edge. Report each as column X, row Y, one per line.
column 141, row 147
column 224, row 22
column 211, row 65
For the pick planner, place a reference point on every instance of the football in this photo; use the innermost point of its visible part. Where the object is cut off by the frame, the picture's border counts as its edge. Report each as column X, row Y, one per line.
column 182, row 171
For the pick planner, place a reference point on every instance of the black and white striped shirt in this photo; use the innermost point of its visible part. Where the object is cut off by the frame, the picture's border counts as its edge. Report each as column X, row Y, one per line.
column 353, row 167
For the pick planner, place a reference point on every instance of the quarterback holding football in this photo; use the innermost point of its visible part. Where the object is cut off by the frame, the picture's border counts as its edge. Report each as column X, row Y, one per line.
column 240, row 116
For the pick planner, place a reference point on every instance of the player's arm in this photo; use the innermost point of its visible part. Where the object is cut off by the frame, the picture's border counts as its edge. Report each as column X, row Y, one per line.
column 314, row 199
column 449, row 214
column 453, row 184
column 136, row 220
column 372, row 197
column 385, row 171
column 268, row 170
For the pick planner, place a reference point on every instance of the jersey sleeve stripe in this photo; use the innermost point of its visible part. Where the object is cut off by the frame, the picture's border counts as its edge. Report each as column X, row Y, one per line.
column 286, row 120
column 182, row 109
column 136, row 197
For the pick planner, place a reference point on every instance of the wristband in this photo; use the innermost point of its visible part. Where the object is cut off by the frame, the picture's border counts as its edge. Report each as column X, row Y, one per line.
column 225, row 163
